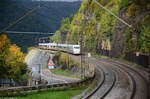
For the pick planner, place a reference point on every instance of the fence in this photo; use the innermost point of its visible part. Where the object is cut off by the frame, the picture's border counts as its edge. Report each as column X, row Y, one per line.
column 13, row 91
column 7, row 82
column 141, row 59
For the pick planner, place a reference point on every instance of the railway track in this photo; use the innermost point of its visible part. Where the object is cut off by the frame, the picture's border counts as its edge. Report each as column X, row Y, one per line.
column 141, row 84
column 118, row 82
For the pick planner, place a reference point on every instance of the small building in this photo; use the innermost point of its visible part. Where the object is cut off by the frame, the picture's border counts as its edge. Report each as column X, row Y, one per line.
column 51, row 64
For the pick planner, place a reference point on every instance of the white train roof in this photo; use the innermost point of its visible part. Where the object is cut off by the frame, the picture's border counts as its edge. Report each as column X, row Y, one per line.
column 55, row 44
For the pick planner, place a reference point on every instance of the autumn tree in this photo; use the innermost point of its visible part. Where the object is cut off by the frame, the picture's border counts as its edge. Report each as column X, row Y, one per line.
column 15, row 62
column 11, row 60
column 4, row 49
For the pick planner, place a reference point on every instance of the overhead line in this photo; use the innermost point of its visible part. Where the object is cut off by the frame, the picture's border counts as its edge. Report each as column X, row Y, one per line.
column 113, row 14
column 29, row 8
column 18, row 20
column 39, row 14
column 17, row 32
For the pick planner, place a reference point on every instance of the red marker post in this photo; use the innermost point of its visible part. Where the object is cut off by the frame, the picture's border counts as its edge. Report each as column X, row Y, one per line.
column 51, row 64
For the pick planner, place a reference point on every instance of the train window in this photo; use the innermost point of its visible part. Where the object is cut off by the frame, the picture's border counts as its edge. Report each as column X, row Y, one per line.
column 77, row 47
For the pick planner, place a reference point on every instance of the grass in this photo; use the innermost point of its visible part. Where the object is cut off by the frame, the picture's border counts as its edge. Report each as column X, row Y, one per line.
column 63, row 94
column 100, row 56
column 64, row 73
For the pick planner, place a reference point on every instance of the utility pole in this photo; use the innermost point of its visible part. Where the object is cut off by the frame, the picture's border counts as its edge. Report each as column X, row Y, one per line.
column 82, row 46
column 81, row 51
column 149, row 71
column 40, row 73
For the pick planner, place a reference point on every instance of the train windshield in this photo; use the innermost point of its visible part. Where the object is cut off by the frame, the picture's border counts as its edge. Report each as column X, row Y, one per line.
column 77, row 47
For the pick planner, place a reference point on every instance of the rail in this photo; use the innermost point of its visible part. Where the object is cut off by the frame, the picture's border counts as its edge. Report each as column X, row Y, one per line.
column 135, row 79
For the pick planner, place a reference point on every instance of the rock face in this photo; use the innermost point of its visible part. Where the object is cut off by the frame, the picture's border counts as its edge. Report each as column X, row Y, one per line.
column 104, row 32
column 122, row 42
column 118, row 39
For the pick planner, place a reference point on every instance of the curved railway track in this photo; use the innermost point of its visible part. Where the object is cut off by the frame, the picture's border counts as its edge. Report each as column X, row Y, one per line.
column 106, row 84
column 118, row 82
column 141, row 84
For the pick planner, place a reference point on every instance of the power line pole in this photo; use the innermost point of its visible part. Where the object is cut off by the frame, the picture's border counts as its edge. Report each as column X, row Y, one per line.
column 82, row 48
column 149, row 75
column 81, row 51
column 39, row 73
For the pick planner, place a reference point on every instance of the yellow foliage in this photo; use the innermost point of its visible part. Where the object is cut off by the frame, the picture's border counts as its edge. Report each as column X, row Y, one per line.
column 146, row 19
column 12, row 59
column 16, row 53
column 3, row 40
column 117, row 1
column 83, row 6
column 104, row 2
column 148, row 6
column 4, row 44
column 133, row 10
column 15, row 61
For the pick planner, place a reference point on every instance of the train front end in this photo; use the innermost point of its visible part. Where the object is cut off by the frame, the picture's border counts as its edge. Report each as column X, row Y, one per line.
column 76, row 49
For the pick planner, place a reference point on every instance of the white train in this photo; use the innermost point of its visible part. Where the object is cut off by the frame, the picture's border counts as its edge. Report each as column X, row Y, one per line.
column 74, row 49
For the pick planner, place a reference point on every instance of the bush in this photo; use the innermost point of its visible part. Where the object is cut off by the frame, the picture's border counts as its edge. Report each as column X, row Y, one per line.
column 124, row 3
column 64, row 60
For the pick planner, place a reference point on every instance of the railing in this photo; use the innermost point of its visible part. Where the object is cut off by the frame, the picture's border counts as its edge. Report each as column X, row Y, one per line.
column 13, row 91
column 132, row 57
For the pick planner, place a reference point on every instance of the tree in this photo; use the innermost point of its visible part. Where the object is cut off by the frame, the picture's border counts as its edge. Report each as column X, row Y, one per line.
column 15, row 62
column 11, row 60
column 4, row 46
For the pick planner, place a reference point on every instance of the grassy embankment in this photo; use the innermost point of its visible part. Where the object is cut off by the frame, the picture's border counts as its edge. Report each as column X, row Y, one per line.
column 64, row 72
column 63, row 94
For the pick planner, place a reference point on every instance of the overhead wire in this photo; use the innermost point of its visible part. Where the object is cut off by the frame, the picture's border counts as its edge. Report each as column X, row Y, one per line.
column 27, row 14
column 19, row 19
column 123, row 21
column 31, row 10
column 45, row 16
column 17, row 32
column 39, row 14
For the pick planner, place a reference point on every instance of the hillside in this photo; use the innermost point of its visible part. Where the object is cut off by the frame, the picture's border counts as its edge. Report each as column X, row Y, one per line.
column 45, row 19
column 104, row 33
column 101, row 27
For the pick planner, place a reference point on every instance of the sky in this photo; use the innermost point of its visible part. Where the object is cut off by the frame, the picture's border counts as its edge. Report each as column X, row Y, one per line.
column 58, row 0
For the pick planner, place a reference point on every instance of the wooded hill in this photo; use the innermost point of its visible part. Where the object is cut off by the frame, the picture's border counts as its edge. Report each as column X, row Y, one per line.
column 46, row 19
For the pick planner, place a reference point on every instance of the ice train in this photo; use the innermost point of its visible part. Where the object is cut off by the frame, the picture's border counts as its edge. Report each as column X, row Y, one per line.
column 73, row 49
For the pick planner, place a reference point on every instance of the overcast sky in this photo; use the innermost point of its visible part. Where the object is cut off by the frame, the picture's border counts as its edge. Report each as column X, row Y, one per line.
column 58, row 0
